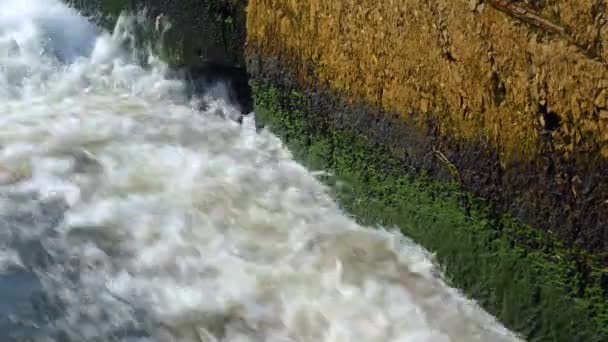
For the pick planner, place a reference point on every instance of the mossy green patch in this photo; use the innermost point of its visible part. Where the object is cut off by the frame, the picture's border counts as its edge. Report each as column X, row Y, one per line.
column 113, row 7
column 530, row 281
column 105, row 11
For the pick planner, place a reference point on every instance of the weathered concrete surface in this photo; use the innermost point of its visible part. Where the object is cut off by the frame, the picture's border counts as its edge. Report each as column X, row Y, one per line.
column 520, row 110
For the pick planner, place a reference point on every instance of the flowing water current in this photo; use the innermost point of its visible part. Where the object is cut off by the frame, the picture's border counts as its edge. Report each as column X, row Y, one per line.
column 127, row 213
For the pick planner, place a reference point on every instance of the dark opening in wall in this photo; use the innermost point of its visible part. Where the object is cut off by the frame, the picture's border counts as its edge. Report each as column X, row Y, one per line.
column 235, row 79
column 210, row 35
column 549, row 119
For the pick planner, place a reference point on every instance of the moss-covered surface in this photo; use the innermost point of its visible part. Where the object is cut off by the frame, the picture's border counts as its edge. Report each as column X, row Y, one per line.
column 527, row 279
column 104, row 12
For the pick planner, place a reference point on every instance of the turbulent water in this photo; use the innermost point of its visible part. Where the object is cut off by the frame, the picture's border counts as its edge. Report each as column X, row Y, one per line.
column 129, row 214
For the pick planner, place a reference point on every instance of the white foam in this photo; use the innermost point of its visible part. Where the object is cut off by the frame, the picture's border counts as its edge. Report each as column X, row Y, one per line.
column 9, row 259
column 186, row 224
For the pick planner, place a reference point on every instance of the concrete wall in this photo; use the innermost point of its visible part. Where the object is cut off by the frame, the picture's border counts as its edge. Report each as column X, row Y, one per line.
column 515, row 95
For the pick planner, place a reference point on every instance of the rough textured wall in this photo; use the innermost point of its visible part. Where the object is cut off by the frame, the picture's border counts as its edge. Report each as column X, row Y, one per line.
column 467, row 64
column 583, row 20
column 515, row 94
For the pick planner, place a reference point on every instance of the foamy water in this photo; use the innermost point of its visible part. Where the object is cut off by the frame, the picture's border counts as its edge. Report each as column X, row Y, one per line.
column 148, row 220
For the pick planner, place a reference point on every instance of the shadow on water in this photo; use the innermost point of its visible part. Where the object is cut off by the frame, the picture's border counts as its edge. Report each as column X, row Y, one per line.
column 25, row 310
column 22, row 302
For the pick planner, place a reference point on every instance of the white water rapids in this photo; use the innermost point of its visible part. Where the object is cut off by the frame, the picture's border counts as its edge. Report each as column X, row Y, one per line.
column 146, row 219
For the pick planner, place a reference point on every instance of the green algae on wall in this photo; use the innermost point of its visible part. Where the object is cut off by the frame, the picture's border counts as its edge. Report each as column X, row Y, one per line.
column 521, row 113
column 105, row 12
column 527, row 279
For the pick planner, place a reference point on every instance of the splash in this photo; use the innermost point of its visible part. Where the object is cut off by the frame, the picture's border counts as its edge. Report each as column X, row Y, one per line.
column 155, row 221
